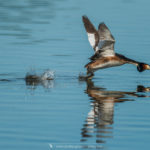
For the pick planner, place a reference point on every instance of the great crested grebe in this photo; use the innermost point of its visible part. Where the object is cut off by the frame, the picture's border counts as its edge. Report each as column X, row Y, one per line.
column 103, row 42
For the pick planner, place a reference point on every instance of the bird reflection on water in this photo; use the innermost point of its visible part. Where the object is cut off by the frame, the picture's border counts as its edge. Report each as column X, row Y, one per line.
column 99, row 121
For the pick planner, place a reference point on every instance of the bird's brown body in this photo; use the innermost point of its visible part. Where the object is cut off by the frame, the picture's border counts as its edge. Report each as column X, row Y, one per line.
column 111, row 61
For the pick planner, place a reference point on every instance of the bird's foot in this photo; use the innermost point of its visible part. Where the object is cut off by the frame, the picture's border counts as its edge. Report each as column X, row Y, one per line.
column 89, row 76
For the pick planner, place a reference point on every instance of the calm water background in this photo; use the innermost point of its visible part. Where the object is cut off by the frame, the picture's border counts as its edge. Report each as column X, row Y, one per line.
column 110, row 112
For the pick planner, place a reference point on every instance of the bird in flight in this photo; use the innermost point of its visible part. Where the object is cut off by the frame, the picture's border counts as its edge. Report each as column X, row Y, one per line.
column 104, row 56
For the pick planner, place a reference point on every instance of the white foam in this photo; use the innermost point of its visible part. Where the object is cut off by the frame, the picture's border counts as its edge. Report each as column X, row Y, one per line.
column 48, row 75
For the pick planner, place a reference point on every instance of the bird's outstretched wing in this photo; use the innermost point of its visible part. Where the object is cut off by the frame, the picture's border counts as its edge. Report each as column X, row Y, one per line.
column 102, row 40
column 106, row 39
column 92, row 33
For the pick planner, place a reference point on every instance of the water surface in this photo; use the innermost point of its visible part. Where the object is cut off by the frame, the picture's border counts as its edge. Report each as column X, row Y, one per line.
column 109, row 112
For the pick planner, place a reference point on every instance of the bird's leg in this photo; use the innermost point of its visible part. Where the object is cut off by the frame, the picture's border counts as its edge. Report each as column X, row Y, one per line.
column 90, row 74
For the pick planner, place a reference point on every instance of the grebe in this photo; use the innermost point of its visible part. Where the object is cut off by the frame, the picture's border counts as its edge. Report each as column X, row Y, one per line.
column 103, row 42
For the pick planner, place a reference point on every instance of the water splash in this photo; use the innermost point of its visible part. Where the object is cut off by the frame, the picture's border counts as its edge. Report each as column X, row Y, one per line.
column 34, row 77
column 45, row 79
column 48, row 75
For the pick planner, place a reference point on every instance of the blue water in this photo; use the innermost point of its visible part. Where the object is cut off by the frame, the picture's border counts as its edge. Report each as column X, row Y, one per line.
column 110, row 112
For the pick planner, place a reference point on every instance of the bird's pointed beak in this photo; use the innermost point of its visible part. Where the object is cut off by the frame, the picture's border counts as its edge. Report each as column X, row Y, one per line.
column 148, row 67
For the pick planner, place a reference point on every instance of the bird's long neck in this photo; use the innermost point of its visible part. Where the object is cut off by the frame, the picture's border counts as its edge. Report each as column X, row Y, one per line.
column 128, row 60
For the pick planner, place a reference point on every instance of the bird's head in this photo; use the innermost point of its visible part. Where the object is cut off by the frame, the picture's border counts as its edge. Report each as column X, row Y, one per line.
column 142, row 66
